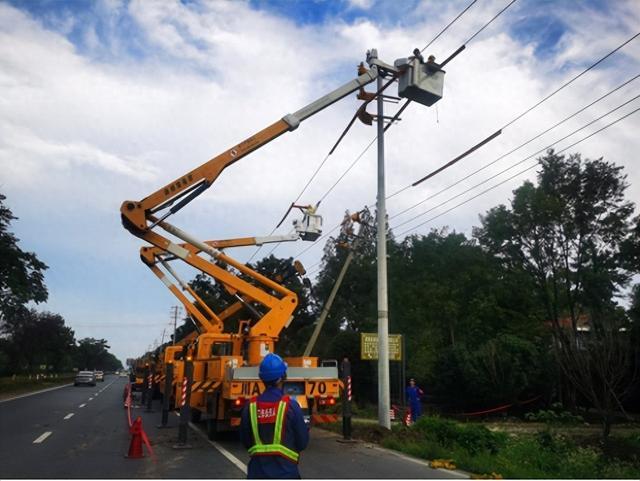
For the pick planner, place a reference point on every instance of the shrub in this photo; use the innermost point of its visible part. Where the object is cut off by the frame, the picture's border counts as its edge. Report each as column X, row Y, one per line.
column 471, row 437
column 555, row 415
column 581, row 463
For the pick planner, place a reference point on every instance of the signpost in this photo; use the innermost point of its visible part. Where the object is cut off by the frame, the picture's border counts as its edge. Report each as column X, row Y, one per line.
column 369, row 346
column 369, row 352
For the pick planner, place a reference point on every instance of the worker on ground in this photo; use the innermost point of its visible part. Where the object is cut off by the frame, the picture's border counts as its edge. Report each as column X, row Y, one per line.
column 273, row 427
column 414, row 393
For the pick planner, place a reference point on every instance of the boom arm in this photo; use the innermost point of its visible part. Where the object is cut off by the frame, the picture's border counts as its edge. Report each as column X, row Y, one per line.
column 136, row 215
column 142, row 216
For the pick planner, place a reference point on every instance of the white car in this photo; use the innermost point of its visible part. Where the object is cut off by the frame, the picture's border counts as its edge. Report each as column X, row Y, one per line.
column 85, row 377
column 99, row 376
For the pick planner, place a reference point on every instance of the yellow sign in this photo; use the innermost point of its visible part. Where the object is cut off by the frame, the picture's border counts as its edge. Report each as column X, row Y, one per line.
column 369, row 346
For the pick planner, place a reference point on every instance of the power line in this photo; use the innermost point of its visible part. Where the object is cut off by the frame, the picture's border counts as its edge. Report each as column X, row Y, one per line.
column 523, row 160
column 491, row 163
column 375, row 138
column 316, row 241
column 464, row 45
column 569, row 82
column 450, row 23
column 516, row 174
column 512, row 150
column 489, row 22
column 516, row 118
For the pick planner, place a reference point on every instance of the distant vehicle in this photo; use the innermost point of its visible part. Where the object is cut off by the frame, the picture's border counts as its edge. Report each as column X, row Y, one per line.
column 85, row 377
column 99, row 376
column 124, row 374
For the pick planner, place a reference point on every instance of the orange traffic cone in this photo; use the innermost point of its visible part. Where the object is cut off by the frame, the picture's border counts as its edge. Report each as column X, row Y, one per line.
column 407, row 418
column 135, row 447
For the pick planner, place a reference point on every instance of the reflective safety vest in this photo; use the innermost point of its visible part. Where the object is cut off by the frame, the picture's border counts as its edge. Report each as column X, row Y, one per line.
column 276, row 448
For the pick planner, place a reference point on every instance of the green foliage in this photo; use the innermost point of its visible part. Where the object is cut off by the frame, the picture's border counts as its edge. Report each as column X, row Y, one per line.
column 93, row 354
column 21, row 273
column 478, row 450
column 555, row 415
column 38, row 339
column 503, row 369
column 470, row 437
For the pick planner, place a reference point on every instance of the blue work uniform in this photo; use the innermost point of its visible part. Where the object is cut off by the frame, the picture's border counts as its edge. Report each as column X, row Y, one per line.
column 296, row 437
column 413, row 396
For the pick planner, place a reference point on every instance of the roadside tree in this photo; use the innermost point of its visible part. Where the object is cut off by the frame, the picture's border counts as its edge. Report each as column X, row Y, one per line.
column 21, row 273
column 569, row 234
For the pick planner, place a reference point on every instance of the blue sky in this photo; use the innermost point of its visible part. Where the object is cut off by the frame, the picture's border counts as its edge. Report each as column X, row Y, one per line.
column 108, row 100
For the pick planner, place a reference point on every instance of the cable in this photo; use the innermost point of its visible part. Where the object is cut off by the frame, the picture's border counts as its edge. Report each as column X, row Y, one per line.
column 516, row 175
column 491, row 163
column 316, row 241
column 521, row 161
column 371, row 143
column 512, row 150
column 489, row 22
column 450, row 23
column 570, row 81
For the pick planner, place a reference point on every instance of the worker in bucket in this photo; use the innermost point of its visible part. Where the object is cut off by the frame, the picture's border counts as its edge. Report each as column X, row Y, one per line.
column 273, row 427
column 414, row 394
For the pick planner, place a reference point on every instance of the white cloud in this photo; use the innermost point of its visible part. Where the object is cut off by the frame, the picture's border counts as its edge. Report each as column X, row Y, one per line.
column 360, row 4
column 79, row 135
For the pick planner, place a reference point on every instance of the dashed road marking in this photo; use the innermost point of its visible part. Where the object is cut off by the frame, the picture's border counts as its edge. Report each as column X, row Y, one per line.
column 69, row 416
column 42, row 438
column 82, row 405
column 235, row 461
column 90, row 399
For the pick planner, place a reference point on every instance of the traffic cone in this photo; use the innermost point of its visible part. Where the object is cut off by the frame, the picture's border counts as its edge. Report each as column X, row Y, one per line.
column 407, row 418
column 135, row 447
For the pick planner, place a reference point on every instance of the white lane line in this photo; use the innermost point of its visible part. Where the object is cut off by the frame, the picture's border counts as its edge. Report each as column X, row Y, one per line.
column 42, row 438
column 69, row 416
column 235, row 461
column 34, row 393
column 82, row 405
column 90, row 399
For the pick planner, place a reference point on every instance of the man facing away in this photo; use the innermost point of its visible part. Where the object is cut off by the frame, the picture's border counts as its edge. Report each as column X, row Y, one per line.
column 273, row 427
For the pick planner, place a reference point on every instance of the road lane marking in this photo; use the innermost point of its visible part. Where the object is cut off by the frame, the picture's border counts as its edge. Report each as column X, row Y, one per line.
column 82, row 405
column 34, row 393
column 42, row 438
column 235, row 461
column 69, row 416
column 90, row 399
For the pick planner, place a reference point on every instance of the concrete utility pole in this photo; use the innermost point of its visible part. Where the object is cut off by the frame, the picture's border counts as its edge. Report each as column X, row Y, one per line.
column 175, row 322
column 384, row 403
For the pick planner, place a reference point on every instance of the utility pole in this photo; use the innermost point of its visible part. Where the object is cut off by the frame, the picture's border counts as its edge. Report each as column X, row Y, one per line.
column 384, row 403
column 175, row 322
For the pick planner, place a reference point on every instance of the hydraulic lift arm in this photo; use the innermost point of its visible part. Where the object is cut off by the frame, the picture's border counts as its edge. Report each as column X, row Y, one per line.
column 138, row 216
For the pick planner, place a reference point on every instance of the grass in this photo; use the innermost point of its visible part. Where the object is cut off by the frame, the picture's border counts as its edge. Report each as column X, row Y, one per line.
column 485, row 453
column 12, row 386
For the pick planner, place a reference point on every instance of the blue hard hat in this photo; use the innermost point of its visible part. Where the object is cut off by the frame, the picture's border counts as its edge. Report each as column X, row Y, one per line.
column 272, row 368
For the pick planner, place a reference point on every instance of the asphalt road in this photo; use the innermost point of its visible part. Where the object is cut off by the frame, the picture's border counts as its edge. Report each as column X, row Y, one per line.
column 82, row 433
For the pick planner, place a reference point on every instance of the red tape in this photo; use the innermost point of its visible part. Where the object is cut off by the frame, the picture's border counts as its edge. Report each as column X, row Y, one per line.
column 129, row 404
column 500, row 408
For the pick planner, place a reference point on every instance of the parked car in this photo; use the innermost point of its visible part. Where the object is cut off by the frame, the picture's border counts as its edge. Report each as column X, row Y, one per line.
column 99, row 376
column 85, row 377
